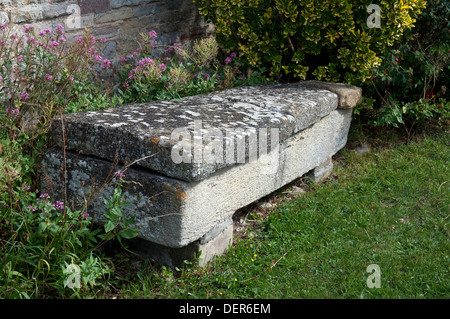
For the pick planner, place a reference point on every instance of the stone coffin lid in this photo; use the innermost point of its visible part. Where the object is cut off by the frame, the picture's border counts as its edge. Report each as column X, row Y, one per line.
column 143, row 132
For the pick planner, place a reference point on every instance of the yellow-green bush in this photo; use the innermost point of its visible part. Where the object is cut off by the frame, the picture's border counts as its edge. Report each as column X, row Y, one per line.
column 326, row 39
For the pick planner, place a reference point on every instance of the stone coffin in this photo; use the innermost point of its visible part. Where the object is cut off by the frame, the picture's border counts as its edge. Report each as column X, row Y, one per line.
column 198, row 160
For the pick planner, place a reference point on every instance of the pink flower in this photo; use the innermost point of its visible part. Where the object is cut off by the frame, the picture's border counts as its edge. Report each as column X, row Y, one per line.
column 162, row 67
column 60, row 29
column 396, row 60
column 54, row 44
column 106, row 64
column 233, row 55
column 145, row 62
column 12, row 113
column 102, row 40
column 98, row 58
column 24, row 96
column 28, row 29
column 119, row 174
column 123, row 60
column 59, row 205
column 48, row 77
column 85, row 215
column 228, row 60
column 153, row 34
column 178, row 49
column 20, row 58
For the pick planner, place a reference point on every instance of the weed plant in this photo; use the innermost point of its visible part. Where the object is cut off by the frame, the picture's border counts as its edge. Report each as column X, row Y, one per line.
column 40, row 237
column 181, row 70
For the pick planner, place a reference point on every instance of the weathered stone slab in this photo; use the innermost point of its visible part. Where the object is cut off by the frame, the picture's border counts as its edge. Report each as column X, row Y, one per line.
column 349, row 95
column 192, row 209
column 182, row 208
column 144, row 131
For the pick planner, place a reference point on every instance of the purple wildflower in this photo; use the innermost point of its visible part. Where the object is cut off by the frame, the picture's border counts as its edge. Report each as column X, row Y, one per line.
column 145, row 62
column 162, row 67
column 48, row 77
column 119, row 174
column 24, row 96
column 178, row 49
column 59, row 205
column 44, row 196
column 12, row 113
column 54, row 44
column 153, row 34
column 106, row 64
column 28, row 29
column 228, row 60
column 60, row 29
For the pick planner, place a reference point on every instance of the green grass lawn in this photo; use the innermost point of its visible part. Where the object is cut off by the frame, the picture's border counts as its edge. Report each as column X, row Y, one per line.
column 388, row 207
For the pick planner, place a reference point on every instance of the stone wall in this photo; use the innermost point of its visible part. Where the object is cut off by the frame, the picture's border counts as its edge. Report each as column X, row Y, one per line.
column 118, row 21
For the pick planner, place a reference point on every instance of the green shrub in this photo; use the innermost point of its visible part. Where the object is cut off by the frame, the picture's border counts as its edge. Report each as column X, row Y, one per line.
column 326, row 40
column 411, row 83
